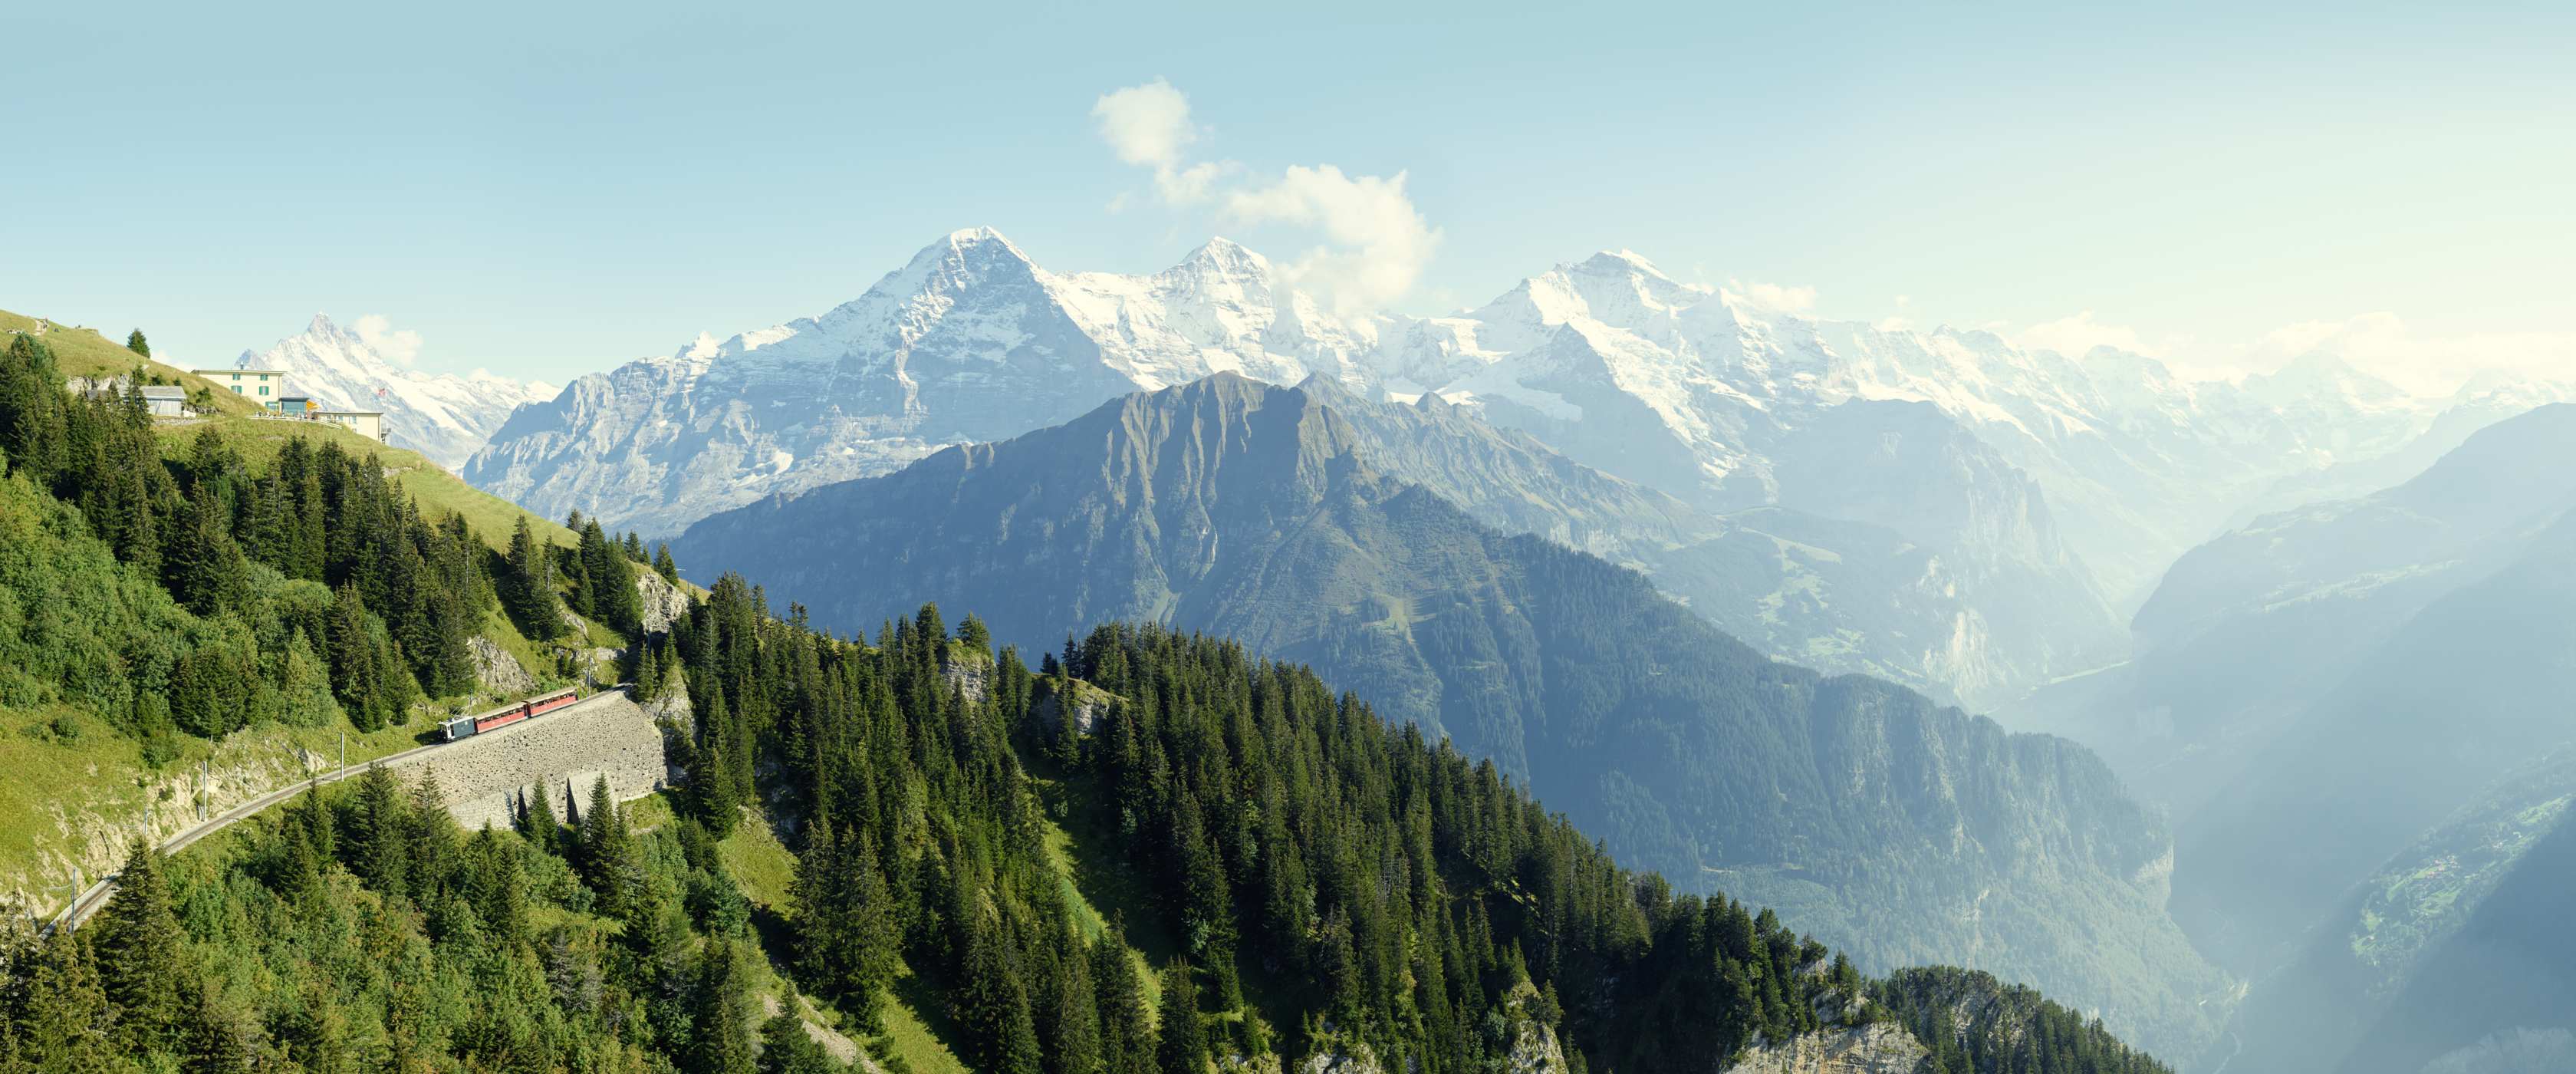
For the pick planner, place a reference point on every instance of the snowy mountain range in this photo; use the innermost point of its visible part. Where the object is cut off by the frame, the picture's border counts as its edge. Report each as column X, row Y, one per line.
column 441, row 415
column 2074, row 479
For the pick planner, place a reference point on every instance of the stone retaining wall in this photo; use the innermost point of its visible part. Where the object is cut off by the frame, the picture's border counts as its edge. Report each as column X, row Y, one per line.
column 486, row 778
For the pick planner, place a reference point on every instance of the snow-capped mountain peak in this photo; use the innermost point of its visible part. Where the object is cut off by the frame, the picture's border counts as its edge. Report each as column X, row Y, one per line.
column 2324, row 375
column 1683, row 386
column 443, row 416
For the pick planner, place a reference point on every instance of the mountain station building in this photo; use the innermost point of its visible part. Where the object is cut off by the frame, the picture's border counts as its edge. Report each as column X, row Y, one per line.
column 265, row 385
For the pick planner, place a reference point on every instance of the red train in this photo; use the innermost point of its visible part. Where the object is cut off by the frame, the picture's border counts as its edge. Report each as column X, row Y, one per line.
column 468, row 726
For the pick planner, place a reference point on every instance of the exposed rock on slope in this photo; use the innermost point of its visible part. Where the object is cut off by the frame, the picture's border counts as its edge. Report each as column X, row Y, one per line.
column 497, row 670
column 1876, row 1048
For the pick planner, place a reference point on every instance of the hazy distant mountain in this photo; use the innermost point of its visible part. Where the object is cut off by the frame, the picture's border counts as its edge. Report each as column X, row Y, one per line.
column 2250, row 629
column 1964, row 616
column 2341, row 703
column 2485, row 400
column 2412, row 926
column 441, row 415
column 1863, row 811
column 2478, row 681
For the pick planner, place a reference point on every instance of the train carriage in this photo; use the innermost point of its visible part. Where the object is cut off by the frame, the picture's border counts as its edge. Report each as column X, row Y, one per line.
column 469, row 726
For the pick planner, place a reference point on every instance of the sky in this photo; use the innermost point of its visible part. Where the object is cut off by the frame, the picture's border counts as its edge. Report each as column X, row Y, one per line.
column 546, row 190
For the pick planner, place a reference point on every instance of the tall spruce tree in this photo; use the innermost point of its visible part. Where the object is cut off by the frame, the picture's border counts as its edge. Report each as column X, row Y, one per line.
column 1182, row 1044
column 141, row 966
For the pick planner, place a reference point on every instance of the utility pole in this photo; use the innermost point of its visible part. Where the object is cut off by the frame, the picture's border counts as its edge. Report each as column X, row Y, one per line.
column 344, row 749
column 205, row 785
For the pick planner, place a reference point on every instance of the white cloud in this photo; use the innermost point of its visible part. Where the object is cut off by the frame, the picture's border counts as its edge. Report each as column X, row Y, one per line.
column 1374, row 244
column 1775, row 297
column 2072, row 336
column 401, row 346
column 1150, row 125
column 1377, row 243
column 1146, row 124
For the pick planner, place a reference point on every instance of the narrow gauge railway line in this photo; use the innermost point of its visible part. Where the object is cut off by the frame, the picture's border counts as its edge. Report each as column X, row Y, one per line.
column 497, row 720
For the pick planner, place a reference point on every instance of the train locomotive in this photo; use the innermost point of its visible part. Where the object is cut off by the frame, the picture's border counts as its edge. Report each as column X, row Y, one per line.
column 469, row 726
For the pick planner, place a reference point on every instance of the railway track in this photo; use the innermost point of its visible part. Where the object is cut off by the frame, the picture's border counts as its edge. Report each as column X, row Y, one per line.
column 96, row 895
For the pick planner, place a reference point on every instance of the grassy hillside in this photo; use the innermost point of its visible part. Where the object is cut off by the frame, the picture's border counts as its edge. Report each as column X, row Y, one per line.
column 179, row 632
column 83, row 352
column 437, row 491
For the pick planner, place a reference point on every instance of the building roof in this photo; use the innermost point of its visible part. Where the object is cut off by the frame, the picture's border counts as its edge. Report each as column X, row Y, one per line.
column 352, row 413
column 228, row 369
column 163, row 391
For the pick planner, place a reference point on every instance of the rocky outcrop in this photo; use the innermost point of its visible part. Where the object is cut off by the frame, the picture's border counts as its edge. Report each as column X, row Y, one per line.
column 663, row 602
column 1089, row 702
column 670, row 706
column 1359, row 1058
column 499, row 671
column 1877, row 1048
column 972, row 676
column 1236, row 1063
column 1534, row 1048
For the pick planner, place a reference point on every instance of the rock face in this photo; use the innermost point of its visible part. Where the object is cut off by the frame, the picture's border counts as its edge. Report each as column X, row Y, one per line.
column 663, row 602
column 1534, row 1048
column 1359, row 1059
column 972, row 676
column 497, row 669
column 1878, row 1048
column 671, row 705
column 1089, row 703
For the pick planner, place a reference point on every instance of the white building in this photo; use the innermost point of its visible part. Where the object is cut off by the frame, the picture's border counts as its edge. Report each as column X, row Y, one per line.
column 265, row 385
column 366, row 423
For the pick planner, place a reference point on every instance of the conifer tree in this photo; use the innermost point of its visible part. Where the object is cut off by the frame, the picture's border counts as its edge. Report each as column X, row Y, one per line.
column 220, row 1037
column 380, row 833
column 203, row 567
column 1127, row 1044
column 720, row 1029
column 63, row 1022
column 1182, row 1044
column 1072, row 1021
column 135, row 342
column 662, row 564
column 305, row 685
column 785, row 1048
column 140, row 964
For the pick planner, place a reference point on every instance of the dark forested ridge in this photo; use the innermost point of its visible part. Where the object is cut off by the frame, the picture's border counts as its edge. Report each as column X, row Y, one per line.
column 1899, row 828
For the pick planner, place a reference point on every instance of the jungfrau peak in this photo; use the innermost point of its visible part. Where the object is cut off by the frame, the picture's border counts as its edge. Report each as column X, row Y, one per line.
column 443, row 416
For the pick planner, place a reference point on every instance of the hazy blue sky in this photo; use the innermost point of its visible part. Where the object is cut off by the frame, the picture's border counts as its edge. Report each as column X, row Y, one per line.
column 544, row 192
